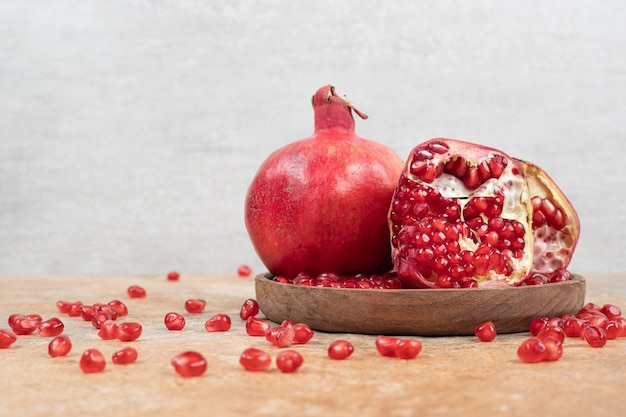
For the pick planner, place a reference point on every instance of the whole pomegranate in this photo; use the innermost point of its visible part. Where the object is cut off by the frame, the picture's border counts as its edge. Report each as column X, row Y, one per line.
column 320, row 204
column 466, row 215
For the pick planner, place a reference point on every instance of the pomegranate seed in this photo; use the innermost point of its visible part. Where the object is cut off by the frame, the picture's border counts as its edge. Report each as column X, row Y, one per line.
column 174, row 321
column 288, row 360
column 554, row 348
column 59, row 346
column 486, row 332
column 537, row 324
column 340, row 349
column 244, row 271
column 572, row 326
column 22, row 325
column 253, row 359
column 408, row 348
column 63, row 306
column 119, row 307
column 611, row 311
column 105, row 308
column 621, row 321
column 612, row 329
column 75, row 309
column 386, row 345
column 135, row 291
column 594, row 336
column 303, row 333
column 189, row 363
column 195, row 305
column 532, row 350
column 51, row 327
column 92, row 361
column 87, row 312
column 128, row 331
column 99, row 318
column 552, row 331
column 173, row 276
column 108, row 330
column 249, row 308
column 281, row 336
column 7, row 338
column 124, row 356
column 257, row 327
column 218, row 323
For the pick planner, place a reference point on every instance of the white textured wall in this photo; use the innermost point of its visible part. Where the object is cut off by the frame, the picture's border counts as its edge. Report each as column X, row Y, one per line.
column 129, row 130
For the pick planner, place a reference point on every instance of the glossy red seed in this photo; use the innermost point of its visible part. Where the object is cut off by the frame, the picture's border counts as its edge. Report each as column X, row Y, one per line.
column 63, row 306
column 125, row 356
column 59, row 346
column 289, row 360
column 99, row 318
column 537, row 324
column 195, row 305
column 218, row 323
column 281, row 336
column 128, row 331
column 386, row 345
column 75, row 309
column 250, row 308
column 408, row 348
column 173, row 276
column 92, row 361
column 340, row 349
column 108, row 330
column 22, row 325
column 611, row 311
column 257, row 327
column 532, row 350
column 302, row 333
column 7, row 338
column 572, row 326
column 552, row 331
column 119, row 307
column 135, row 291
column 554, row 348
column 87, row 312
column 189, row 364
column 51, row 327
column 174, row 321
column 253, row 359
column 594, row 336
column 486, row 332
column 244, row 271
column 106, row 308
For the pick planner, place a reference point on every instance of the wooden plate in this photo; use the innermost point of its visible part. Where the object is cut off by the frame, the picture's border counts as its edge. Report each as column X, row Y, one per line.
column 431, row 312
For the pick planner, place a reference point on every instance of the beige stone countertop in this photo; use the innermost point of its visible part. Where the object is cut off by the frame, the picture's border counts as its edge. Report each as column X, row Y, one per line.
column 452, row 375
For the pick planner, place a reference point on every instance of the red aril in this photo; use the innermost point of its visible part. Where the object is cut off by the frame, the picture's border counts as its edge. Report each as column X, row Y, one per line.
column 174, row 321
column 257, row 327
column 486, row 332
column 108, row 330
column 554, row 348
column 189, row 364
column 195, row 305
column 173, row 276
column 612, row 329
column 99, row 318
column 7, row 338
column 611, row 311
column 386, row 345
column 532, row 350
column 288, row 360
column 594, row 336
column 125, row 356
column 320, row 204
column 87, row 312
column 22, row 325
column 120, row 308
column 249, row 308
column 552, row 331
column 408, row 348
column 135, row 291
column 92, row 361
column 75, row 309
column 218, row 323
column 128, row 331
column 340, row 349
column 253, row 359
column 572, row 326
column 63, row 306
column 59, row 346
column 51, row 327
column 281, row 336
column 244, row 271
column 302, row 333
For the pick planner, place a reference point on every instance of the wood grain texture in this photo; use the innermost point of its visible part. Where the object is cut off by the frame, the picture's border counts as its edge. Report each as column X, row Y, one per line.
column 431, row 312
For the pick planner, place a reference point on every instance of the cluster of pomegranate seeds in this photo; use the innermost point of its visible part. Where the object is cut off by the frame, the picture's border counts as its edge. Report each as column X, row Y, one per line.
column 174, row 321
column 173, row 276
column 218, row 323
column 189, row 363
column 7, row 338
column 59, row 346
column 250, row 308
column 92, row 361
column 135, row 291
column 537, row 278
column 340, row 349
column 253, row 359
column 125, row 356
column 195, row 305
column 288, row 360
column 387, row 281
column 486, row 332
column 244, row 271
column 396, row 347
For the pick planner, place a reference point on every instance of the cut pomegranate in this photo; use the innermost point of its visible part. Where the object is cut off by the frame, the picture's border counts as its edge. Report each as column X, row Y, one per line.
column 594, row 336
column 532, row 350
column 289, row 360
column 257, row 327
column 253, row 359
column 128, row 331
column 135, row 291
column 486, row 332
column 340, row 349
column 59, row 346
column 125, row 356
column 386, row 345
column 189, row 364
column 218, row 323
column 174, row 321
column 51, row 327
column 92, row 361
column 173, row 276
column 195, row 305
column 7, row 338
column 249, row 308
column 408, row 348
column 244, row 271
column 108, row 330
column 302, row 333
column 320, row 204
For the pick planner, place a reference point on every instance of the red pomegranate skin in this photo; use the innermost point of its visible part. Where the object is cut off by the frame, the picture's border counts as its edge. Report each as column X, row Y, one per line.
column 320, row 204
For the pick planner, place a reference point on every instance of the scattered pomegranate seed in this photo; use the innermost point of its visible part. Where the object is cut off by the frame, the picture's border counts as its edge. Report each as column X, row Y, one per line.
column 51, row 327
column 119, row 307
column 532, row 350
column 611, row 311
column 135, row 291
column 128, row 331
column 253, row 359
column 108, row 330
column 257, row 327
column 537, row 324
column 554, row 348
column 125, row 356
column 303, row 333
column 408, row 348
column 75, row 309
column 340, row 349
column 22, row 325
column 218, row 323
column 63, row 306
column 250, row 308
column 594, row 336
column 7, row 338
column 281, row 336
column 87, row 312
column 59, row 346
column 99, row 318
column 572, row 326
column 386, row 345
column 288, row 360
column 244, row 271
column 174, row 321
column 195, row 305
column 92, row 361
column 552, row 331
column 612, row 329
column 486, row 332
column 189, row 364
column 173, row 276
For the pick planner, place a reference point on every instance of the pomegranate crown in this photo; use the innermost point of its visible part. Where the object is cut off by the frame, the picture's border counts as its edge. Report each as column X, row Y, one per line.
column 333, row 112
